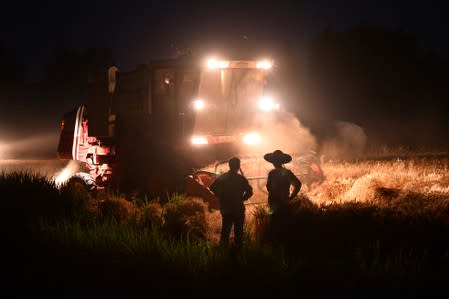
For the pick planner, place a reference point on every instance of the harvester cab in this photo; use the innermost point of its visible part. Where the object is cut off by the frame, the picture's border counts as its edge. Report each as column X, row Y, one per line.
column 233, row 105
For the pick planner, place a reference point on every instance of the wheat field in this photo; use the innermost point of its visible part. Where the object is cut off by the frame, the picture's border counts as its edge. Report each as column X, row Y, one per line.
column 416, row 182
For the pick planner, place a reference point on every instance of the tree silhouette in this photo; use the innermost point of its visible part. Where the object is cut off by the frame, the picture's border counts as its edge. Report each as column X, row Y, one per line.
column 376, row 78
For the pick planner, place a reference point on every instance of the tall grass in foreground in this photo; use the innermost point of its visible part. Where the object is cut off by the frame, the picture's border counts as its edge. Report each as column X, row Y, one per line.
column 151, row 247
column 397, row 235
column 26, row 195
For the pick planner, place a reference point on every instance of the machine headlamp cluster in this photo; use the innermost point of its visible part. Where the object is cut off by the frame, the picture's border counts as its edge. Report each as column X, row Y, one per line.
column 217, row 64
column 264, row 64
column 199, row 104
column 267, row 103
column 251, row 138
column 199, row 140
column 214, row 64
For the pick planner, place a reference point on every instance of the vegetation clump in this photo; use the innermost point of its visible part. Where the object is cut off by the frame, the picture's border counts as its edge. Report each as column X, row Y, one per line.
column 382, row 228
column 186, row 217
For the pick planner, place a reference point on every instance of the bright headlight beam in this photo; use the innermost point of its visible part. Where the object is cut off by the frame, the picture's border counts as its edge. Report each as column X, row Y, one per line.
column 62, row 177
column 199, row 104
column 199, row 140
column 217, row 64
column 252, row 138
column 264, row 64
column 266, row 103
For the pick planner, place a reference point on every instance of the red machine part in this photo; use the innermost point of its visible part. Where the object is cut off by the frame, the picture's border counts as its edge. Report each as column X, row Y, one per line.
column 198, row 185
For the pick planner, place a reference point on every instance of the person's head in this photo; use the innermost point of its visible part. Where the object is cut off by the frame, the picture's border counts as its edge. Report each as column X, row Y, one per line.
column 234, row 164
column 277, row 158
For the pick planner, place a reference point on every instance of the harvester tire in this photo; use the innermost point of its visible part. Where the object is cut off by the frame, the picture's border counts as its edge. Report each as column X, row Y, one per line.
column 82, row 182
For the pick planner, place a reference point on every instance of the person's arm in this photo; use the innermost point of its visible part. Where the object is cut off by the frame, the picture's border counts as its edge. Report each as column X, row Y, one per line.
column 214, row 187
column 268, row 185
column 296, row 185
column 248, row 190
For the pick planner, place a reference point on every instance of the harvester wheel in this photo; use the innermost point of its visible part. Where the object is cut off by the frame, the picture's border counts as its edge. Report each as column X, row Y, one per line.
column 82, row 182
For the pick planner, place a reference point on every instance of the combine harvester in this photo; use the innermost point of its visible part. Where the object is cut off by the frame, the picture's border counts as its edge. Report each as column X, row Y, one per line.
column 160, row 128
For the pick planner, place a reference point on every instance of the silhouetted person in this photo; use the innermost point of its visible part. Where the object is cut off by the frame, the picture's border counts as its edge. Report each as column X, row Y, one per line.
column 232, row 189
column 279, row 181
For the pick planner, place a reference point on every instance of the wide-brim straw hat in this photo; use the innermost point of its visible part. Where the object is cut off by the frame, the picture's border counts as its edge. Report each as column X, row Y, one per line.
column 277, row 157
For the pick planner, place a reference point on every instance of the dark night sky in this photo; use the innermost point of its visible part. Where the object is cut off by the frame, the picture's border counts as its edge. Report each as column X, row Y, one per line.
column 139, row 31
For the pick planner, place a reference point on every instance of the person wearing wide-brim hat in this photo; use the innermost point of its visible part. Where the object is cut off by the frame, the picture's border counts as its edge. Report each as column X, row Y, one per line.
column 279, row 181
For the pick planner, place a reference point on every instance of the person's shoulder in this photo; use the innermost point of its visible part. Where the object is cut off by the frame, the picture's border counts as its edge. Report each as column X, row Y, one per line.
column 275, row 173
column 237, row 175
column 292, row 174
column 220, row 178
column 223, row 176
column 274, row 170
column 242, row 177
column 289, row 170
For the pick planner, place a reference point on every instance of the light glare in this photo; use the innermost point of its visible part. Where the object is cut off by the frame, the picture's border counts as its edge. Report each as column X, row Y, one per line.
column 62, row 177
column 199, row 140
column 199, row 104
column 264, row 64
column 267, row 103
column 217, row 64
column 252, row 138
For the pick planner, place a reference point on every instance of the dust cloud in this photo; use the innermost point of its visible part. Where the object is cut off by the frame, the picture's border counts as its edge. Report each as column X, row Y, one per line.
column 288, row 134
column 42, row 146
column 49, row 168
column 284, row 132
column 348, row 142
column 36, row 155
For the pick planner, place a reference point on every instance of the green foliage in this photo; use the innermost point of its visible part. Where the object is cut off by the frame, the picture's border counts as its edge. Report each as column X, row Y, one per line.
column 157, row 254
column 26, row 196
column 116, row 208
column 77, row 202
column 404, row 238
column 336, row 231
column 261, row 224
column 176, row 198
column 152, row 214
column 185, row 218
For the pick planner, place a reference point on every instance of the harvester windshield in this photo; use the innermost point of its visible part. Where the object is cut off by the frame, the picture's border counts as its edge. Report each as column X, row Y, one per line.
column 229, row 96
column 232, row 103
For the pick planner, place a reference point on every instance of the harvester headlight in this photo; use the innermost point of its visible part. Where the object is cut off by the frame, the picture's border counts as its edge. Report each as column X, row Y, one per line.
column 264, row 64
column 217, row 64
column 252, row 138
column 199, row 140
column 267, row 103
column 199, row 104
